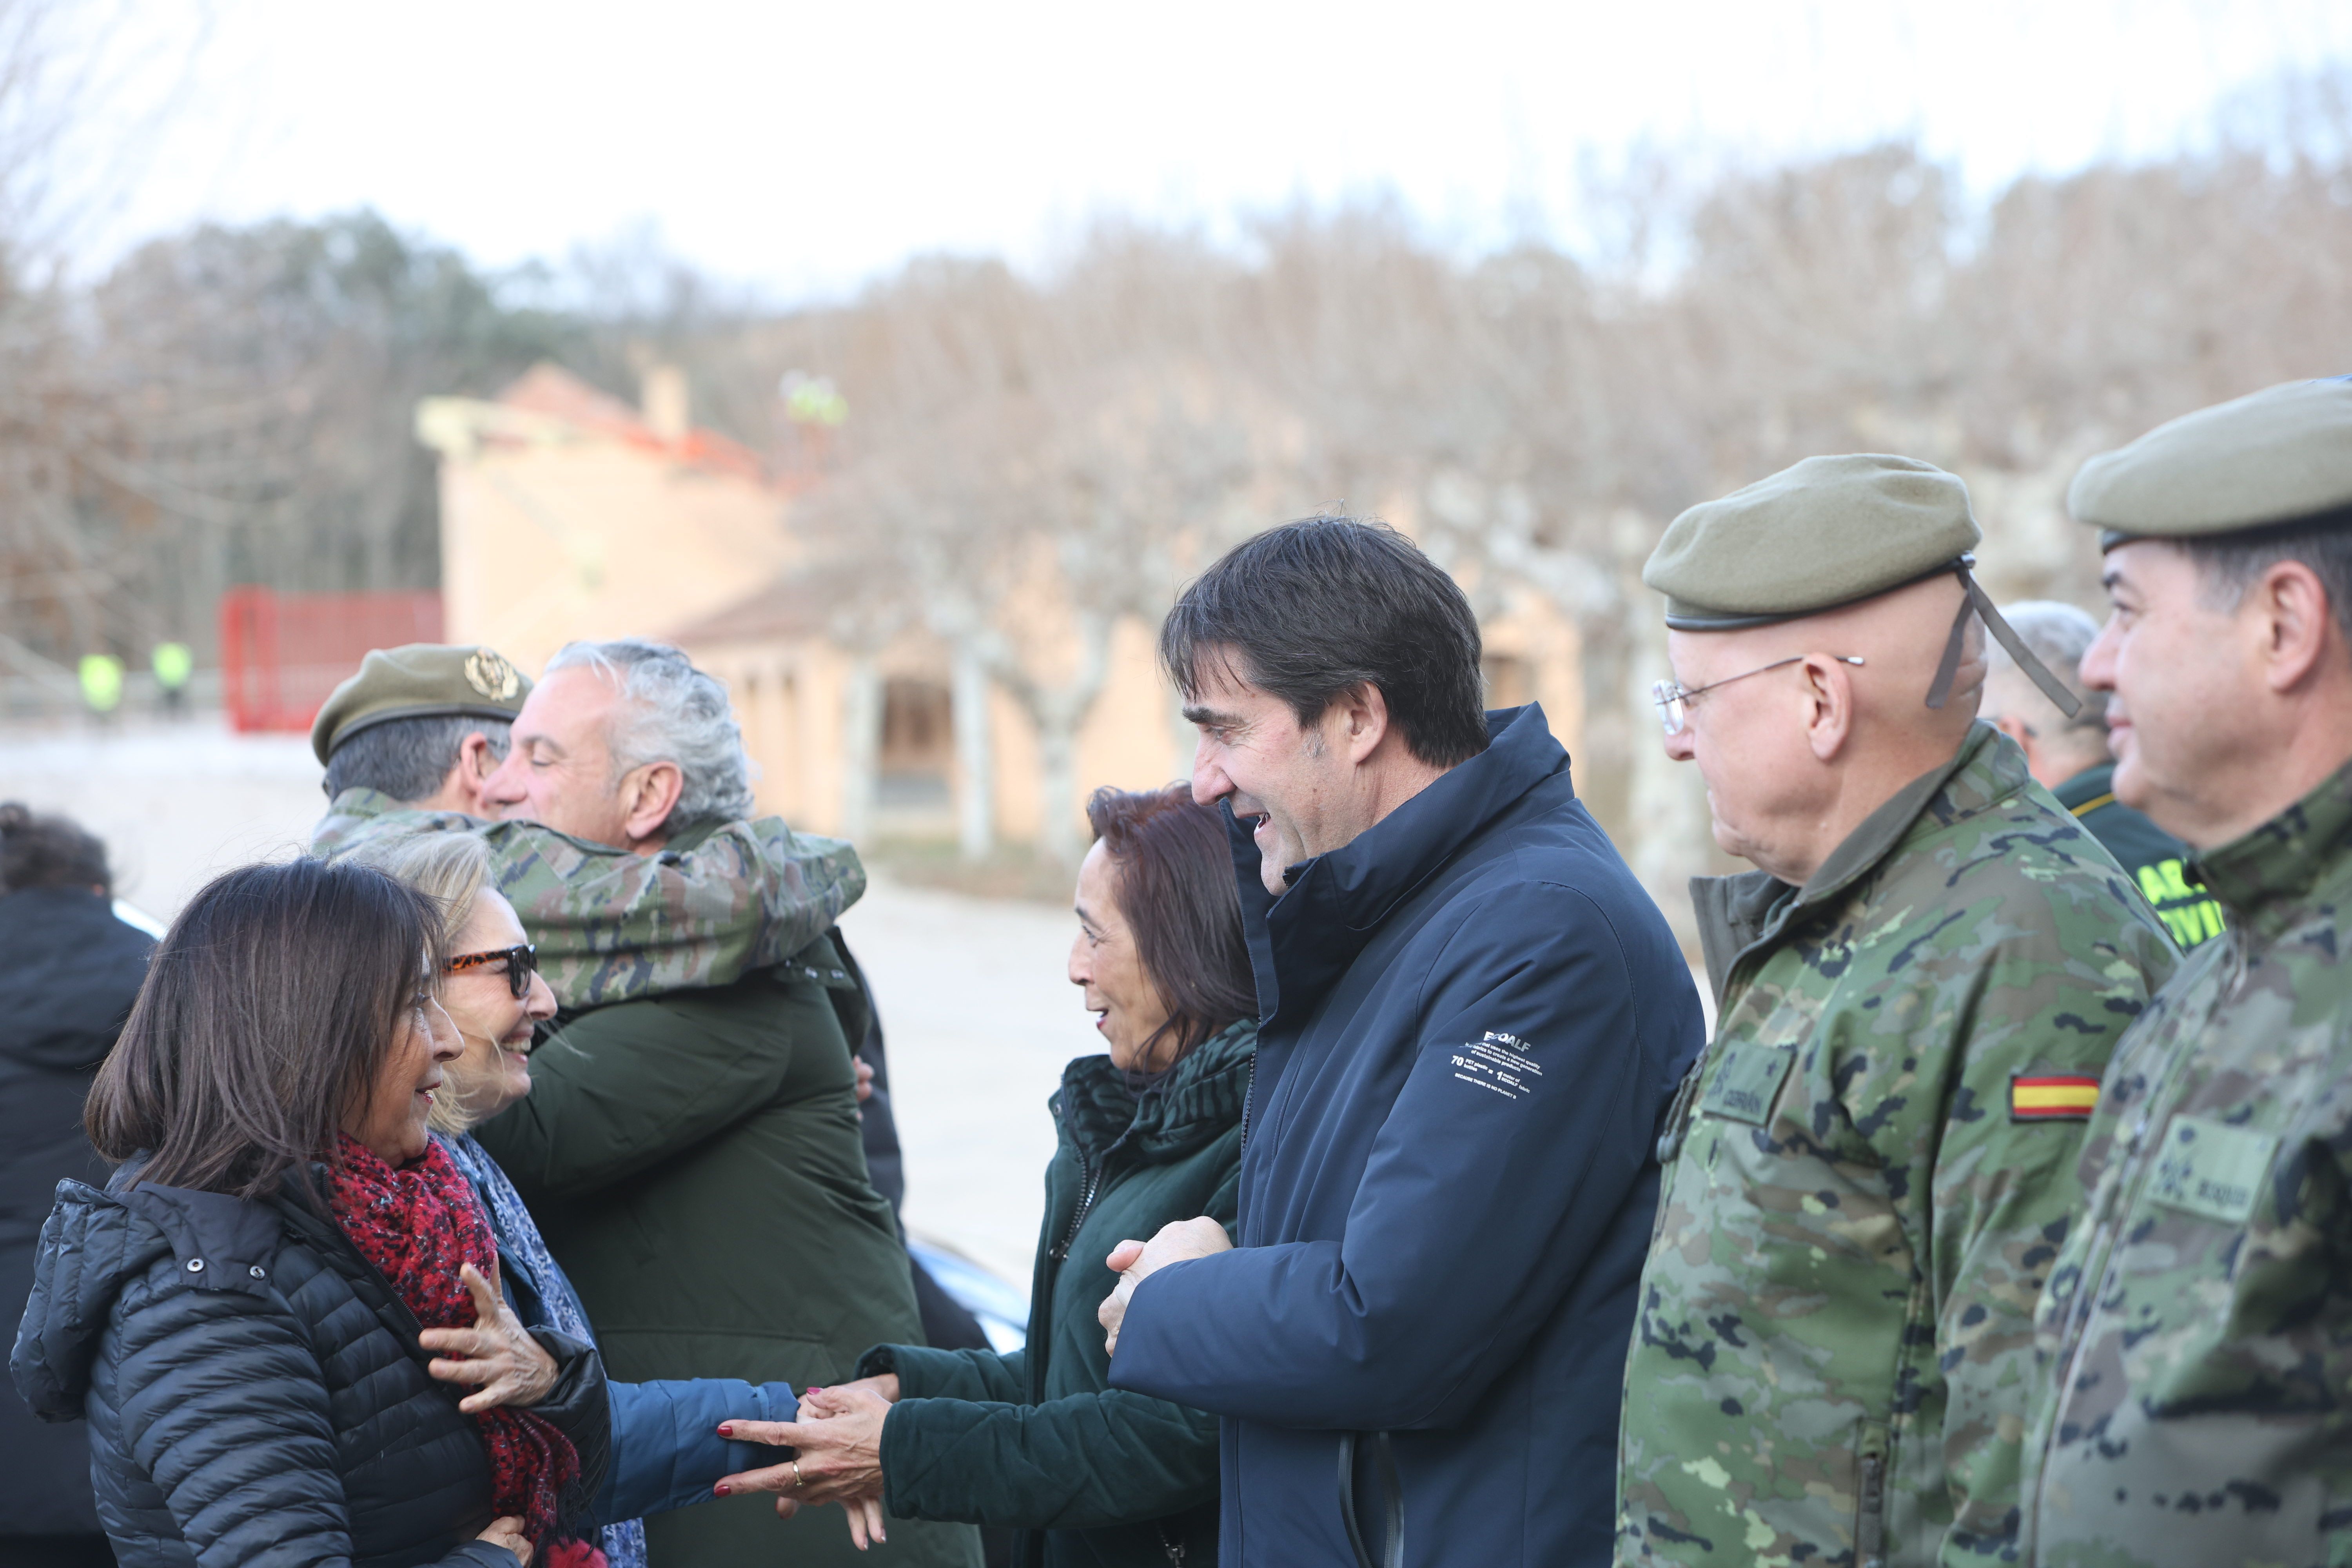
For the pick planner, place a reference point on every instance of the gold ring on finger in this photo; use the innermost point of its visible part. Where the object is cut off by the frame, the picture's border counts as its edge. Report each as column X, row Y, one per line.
column 798, row 1480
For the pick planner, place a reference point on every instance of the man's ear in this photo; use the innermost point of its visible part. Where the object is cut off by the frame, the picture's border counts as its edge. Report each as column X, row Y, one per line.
column 1829, row 697
column 2297, row 623
column 461, row 787
column 648, row 795
column 1364, row 720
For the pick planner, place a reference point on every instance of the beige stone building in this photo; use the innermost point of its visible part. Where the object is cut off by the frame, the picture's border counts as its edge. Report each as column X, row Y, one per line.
column 566, row 513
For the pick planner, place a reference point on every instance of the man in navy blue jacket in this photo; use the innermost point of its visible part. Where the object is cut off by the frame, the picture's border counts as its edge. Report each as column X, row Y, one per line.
column 1473, row 1018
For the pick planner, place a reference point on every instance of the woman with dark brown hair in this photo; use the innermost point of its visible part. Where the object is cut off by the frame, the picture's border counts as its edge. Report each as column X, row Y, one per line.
column 1037, row 1441
column 281, row 1316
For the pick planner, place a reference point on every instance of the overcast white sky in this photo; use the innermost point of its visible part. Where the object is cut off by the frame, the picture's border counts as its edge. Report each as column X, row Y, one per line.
column 802, row 147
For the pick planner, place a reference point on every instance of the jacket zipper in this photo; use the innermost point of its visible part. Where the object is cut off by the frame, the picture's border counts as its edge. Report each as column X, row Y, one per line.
column 1086, row 1203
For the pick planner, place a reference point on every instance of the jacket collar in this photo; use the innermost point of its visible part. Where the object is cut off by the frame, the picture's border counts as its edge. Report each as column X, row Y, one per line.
column 1303, row 942
column 1199, row 1099
column 1737, row 913
column 2266, row 879
column 2084, row 793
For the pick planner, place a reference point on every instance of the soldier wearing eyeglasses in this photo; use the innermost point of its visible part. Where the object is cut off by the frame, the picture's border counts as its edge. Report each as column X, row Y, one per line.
column 1870, row 1166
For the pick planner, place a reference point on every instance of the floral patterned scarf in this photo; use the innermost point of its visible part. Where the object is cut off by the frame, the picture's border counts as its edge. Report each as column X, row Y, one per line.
column 417, row 1225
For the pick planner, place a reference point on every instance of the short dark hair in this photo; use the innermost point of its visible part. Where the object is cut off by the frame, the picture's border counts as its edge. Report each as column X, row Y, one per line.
column 268, row 1009
column 408, row 758
column 2229, row 562
column 38, row 850
column 1314, row 609
column 1175, row 884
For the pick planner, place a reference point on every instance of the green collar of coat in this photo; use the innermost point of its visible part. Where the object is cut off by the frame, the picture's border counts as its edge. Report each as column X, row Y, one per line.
column 1737, row 913
column 1199, row 1099
column 2265, row 880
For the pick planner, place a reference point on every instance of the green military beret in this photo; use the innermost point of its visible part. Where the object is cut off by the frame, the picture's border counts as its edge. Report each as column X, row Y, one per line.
column 1827, row 532
column 422, row 680
column 2282, row 455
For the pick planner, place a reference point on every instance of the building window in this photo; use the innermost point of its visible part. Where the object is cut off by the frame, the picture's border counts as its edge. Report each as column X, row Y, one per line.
column 918, row 744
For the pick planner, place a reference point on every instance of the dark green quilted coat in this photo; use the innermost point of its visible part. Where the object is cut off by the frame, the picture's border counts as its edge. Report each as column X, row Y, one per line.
column 1037, row 1440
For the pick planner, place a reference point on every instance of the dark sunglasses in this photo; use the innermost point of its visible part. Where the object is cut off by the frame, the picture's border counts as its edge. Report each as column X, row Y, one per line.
column 521, row 962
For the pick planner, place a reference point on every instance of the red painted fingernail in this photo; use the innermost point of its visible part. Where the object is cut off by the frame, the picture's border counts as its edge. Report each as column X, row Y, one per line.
column 722, row 1488
column 727, row 1429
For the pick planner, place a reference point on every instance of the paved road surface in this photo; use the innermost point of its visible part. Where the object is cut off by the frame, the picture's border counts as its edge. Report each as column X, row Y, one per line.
column 980, row 1017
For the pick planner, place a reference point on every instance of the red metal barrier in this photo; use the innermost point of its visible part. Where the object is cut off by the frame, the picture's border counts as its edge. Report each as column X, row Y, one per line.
column 283, row 654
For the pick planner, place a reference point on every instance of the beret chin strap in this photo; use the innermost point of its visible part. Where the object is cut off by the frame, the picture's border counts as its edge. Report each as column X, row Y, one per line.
column 1975, row 601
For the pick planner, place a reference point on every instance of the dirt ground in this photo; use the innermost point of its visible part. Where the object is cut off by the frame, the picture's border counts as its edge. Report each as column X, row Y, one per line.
column 979, row 1018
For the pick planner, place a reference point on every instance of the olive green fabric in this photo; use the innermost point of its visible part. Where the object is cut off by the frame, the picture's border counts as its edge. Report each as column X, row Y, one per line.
column 693, row 1162
column 2197, row 1334
column 2283, row 454
column 421, row 680
column 1833, row 1355
column 1038, row 1440
column 1828, row 531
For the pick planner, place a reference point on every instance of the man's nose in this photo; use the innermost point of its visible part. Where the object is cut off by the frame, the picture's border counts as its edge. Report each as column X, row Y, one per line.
column 1679, row 744
column 504, row 785
column 2098, row 666
column 1210, row 784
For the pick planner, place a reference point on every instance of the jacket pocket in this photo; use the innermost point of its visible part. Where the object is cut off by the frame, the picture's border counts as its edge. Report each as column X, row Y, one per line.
column 1873, row 1459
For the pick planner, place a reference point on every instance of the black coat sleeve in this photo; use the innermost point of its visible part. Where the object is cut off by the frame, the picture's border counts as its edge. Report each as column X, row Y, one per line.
column 222, row 1403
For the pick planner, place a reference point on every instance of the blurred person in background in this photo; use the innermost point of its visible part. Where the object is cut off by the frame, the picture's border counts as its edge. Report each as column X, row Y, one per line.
column 666, row 1451
column 279, row 1315
column 69, row 973
column 1149, row 1134
column 694, row 1158
column 2069, row 757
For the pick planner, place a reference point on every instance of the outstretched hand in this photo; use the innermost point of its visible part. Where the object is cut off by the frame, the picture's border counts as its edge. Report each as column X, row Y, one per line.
column 838, row 1458
column 497, row 1352
column 1135, row 1261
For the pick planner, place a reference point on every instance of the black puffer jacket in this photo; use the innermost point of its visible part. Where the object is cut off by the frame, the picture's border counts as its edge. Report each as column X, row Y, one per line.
column 69, row 973
column 254, row 1391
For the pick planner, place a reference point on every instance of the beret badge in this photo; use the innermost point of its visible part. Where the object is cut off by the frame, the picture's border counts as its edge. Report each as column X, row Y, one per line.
column 489, row 674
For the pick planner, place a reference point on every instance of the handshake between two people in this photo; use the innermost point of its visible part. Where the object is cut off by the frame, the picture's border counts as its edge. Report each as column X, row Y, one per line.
column 837, row 1439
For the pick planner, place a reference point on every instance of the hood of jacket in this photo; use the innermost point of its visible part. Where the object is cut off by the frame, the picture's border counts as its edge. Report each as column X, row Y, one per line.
column 1303, row 942
column 68, row 972
column 1198, row 1100
column 95, row 1242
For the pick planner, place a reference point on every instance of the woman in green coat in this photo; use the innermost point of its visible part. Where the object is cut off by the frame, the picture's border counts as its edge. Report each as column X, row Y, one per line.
column 1037, row 1441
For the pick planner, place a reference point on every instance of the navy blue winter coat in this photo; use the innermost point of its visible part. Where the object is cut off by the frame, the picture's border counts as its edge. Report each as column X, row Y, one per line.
column 1473, row 1019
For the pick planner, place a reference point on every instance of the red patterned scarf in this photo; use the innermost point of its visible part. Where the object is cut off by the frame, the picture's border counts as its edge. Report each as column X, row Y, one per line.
column 417, row 1224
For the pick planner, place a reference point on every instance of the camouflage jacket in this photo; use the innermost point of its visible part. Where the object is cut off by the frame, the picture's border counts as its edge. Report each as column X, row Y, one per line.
column 1867, row 1173
column 2197, row 1400
column 611, row 925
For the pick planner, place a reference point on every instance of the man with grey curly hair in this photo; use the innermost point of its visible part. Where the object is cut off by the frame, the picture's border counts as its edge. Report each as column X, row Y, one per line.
column 625, row 743
column 694, row 1158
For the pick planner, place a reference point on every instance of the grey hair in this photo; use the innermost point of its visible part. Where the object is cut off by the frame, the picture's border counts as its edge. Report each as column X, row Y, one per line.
column 407, row 759
column 2059, row 635
column 675, row 713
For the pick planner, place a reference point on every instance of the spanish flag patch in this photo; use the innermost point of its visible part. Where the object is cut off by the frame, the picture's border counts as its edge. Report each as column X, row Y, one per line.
column 2053, row 1096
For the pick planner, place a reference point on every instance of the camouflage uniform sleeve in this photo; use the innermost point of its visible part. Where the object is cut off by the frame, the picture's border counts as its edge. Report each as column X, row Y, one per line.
column 2004, row 1191
column 612, row 925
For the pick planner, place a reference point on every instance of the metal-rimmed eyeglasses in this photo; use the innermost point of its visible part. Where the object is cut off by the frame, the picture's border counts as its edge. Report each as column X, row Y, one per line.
column 1672, row 698
column 522, row 963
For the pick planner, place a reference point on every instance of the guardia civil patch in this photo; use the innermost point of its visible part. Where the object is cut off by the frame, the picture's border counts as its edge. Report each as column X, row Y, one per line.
column 2053, row 1096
